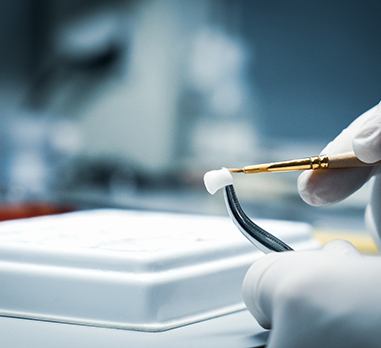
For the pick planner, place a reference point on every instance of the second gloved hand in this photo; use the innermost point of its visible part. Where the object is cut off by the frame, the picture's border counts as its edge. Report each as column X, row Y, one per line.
column 326, row 298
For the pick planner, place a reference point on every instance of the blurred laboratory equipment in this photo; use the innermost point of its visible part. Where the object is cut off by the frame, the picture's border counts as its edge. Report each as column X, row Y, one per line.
column 222, row 127
column 127, row 103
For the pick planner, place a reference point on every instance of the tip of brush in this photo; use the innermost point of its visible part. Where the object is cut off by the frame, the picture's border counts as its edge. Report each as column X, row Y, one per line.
column 236, row 170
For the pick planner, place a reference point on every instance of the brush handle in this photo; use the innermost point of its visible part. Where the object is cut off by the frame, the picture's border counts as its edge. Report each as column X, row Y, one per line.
column 322, row 162
column 347, row 160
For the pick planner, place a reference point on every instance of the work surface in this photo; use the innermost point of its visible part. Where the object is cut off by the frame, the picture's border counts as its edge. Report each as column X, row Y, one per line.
column 234, row 331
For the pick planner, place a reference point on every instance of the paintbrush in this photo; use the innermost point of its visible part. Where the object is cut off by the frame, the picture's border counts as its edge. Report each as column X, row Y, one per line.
column 340, row 161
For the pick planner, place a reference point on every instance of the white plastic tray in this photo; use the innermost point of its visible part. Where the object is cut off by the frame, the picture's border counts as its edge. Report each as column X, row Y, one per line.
column 127, row 269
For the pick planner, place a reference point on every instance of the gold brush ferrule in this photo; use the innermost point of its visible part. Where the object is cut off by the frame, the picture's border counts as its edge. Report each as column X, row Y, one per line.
column 314, row 162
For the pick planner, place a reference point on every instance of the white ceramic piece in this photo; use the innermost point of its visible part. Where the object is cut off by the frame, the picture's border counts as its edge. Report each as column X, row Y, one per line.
column 215, row 180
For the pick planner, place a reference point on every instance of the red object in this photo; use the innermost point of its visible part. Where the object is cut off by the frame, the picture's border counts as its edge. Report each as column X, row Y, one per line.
column 26, row 210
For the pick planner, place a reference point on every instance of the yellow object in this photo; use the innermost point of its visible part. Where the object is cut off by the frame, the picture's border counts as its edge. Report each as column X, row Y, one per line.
column 362, row 241
column 344, row 160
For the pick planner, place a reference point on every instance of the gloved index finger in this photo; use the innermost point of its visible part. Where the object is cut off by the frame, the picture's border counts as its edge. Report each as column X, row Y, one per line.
column 341, row 247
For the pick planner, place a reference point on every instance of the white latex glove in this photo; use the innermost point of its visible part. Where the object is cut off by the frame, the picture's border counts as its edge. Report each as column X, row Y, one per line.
column 327, row 298
column 363, row 136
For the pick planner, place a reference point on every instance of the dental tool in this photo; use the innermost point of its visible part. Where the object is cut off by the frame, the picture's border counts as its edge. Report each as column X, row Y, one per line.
column 340, row 161
column 215, row 180
column 263, row 240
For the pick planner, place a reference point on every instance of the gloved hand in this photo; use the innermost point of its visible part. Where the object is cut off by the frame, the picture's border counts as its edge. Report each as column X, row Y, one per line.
column 325, row 298
column 363, row 136
column 331, row 297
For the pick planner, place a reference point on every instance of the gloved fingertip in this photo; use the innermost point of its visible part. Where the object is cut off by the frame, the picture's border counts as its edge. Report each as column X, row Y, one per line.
column 342, row 247
column 308, row 190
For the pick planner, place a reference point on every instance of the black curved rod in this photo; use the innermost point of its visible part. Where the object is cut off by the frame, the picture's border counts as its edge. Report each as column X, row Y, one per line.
column 262, row 239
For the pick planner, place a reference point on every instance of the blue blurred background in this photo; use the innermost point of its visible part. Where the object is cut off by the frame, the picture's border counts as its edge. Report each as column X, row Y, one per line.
column 128, row 103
